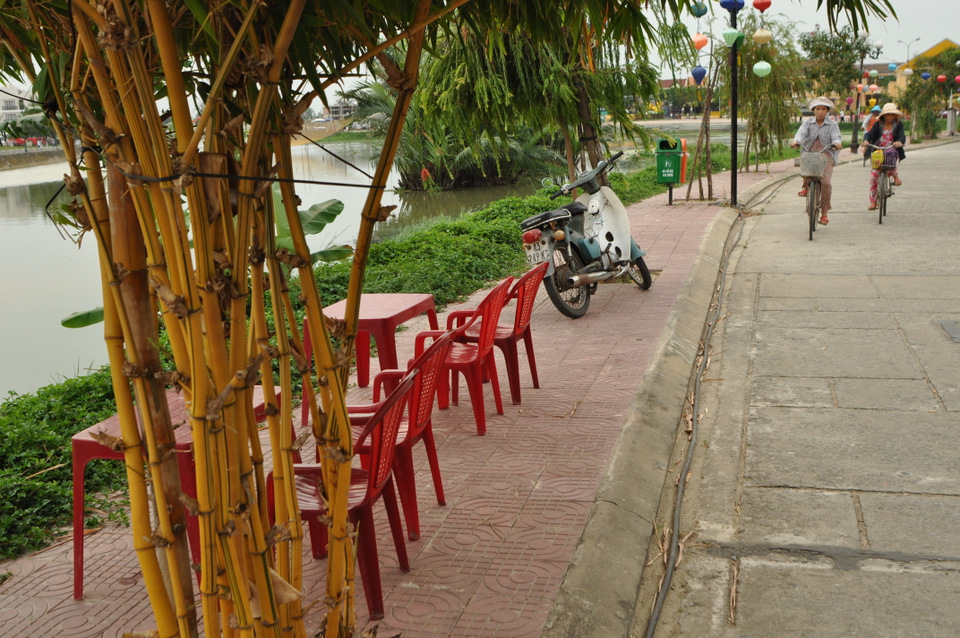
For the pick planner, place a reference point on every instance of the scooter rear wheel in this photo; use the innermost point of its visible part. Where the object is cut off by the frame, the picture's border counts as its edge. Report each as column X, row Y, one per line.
column 571, row 302
column 640, row 274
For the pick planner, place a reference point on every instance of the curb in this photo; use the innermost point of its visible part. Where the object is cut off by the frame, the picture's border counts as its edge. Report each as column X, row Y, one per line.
column 599, row 591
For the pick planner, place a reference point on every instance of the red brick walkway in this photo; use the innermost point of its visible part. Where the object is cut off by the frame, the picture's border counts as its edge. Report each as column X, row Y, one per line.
column 490, row 562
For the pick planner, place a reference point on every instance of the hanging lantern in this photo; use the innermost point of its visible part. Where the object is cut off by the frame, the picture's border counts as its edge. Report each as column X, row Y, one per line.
column 872, row 103
column 892, row 66
column 957, row 79
column 732, row 5
column 873, row 88
column 762, row 36
column 859, row 88
column 699, row 41
column 732, row 37
column 762, row 69
column 908, row 72
column 925, row 75
column 874, row 73
column 866, row 74
column 849, row 101
column 761, row 5
column 698, row 74
column 941, row 78
column 698, row 9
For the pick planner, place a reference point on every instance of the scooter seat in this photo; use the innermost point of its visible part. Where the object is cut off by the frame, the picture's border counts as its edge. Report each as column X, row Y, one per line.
column 576, row 208
column 545, row 218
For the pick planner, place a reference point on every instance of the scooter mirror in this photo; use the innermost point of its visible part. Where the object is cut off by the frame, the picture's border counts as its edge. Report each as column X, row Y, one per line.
column 546, row 182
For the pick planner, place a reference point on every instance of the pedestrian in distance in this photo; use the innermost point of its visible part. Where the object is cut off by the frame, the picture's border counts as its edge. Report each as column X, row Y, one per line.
column 871, row 118
column 886, row 131
column 820, row 133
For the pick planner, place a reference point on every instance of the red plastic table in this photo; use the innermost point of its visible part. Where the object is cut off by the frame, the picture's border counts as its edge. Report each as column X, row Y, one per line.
column 85, row 448
column 380, row 315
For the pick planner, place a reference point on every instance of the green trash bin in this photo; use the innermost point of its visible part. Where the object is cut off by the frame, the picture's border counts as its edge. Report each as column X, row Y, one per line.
column 671, row 158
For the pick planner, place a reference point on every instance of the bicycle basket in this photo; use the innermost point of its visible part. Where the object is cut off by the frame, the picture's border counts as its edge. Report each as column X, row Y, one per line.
column 813, row 164
column 876, row 159
column 890, row 158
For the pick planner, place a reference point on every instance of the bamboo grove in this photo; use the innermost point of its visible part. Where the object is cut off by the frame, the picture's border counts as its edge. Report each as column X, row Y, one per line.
column 177, row 120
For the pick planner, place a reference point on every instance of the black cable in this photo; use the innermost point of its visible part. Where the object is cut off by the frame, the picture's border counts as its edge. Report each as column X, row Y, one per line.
column 675, row 533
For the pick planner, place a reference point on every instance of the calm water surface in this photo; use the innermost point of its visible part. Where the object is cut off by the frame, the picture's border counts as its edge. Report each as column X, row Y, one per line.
column 46, row 278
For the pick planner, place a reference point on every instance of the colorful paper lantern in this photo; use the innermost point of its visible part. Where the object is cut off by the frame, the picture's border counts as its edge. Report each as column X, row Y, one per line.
column 925, row 75
column 698, row 9
column 874, row 73
column 762, row 69
column 957, row 79
column 892, row 66
column 908, row 72
column 872, row 103
column 731, row 36
column 849, row 101
column 698, row 74
column 873, row 88
column 859, row 88
column 732, row 5
column 699, row 41
column 761, row 5
column 941, row 78
column 866, row 74
column 762, row 36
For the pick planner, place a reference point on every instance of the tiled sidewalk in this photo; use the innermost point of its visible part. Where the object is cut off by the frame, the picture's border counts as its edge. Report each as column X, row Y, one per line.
column 490, row 562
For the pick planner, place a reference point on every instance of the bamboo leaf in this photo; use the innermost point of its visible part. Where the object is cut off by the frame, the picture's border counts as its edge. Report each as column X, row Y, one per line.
column 83, row 318
column 332, row 253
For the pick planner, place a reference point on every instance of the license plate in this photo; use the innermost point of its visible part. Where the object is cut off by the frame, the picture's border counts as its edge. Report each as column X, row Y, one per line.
column 537, row 252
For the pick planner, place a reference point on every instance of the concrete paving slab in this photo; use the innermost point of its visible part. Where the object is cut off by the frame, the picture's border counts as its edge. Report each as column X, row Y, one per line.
column 833, row 353
column 828, row 319
column 804, row 286
column 870, row 450
column 887, row 394
column 913, row 524
column 807, row 599
column 783, row 517
column 792, row 393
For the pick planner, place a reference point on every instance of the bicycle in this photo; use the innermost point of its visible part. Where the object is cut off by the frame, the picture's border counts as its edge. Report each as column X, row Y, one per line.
column 884, row 184
column 813, row 164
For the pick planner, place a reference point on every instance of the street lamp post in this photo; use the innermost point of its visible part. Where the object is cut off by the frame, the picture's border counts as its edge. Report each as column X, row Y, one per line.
column 908, row 45
column 873, row 52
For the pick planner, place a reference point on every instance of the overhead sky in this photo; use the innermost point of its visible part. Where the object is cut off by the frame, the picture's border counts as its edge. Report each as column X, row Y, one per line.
column 930, row 20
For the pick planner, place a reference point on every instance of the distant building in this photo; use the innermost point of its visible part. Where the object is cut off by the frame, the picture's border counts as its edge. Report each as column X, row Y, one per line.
column 900, row 81
column 12, row 102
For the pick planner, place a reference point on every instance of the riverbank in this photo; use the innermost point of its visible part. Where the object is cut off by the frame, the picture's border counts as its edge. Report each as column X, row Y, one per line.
column 13, row 158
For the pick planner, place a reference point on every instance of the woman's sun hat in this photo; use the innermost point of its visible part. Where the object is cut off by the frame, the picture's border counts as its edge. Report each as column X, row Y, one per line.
column 890, row 109
column 821, row 101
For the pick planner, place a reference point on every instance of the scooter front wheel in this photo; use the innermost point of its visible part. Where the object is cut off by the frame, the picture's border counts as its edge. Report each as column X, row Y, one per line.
column 572, row 302
column 640, row 274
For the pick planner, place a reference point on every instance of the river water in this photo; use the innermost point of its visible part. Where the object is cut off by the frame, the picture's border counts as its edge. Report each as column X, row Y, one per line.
column 46, row 277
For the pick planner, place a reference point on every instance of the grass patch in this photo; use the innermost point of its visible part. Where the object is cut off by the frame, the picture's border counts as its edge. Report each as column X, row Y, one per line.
column 35, row 459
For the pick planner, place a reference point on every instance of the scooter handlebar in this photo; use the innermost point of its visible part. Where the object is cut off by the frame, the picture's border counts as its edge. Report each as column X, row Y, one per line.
column 587, row 176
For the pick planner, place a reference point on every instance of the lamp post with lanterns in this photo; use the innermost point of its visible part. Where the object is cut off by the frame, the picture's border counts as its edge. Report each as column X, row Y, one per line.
column 867, row 50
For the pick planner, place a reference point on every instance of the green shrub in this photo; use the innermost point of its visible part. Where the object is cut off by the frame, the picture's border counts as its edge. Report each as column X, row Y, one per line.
column 35, row 455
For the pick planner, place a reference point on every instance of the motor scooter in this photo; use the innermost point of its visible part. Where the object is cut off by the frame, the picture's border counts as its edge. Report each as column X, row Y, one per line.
column 586, row 242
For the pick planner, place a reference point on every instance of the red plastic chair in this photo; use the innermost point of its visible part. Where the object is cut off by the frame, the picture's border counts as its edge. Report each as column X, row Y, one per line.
column 506, row 338
column 379, row 435
column 417, row 426
column 472, row 359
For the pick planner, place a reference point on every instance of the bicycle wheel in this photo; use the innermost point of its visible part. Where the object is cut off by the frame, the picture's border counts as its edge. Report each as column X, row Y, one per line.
column 813, row 204
column 882, row 195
